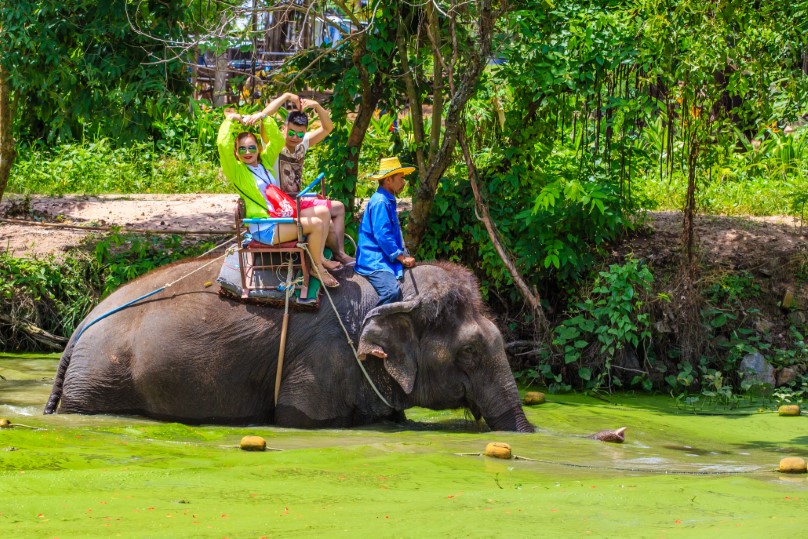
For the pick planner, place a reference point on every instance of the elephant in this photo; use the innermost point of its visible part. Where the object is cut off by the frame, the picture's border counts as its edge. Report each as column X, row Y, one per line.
column 192, row 355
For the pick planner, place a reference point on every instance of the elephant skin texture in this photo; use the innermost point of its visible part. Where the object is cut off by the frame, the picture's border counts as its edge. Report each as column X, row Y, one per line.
column 189, row 354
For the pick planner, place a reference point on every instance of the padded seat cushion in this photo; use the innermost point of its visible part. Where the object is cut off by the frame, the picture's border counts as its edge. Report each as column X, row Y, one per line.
column 258, row 245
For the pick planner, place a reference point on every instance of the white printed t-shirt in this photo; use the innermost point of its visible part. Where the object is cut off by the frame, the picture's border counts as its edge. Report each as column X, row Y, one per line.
column 289, row 167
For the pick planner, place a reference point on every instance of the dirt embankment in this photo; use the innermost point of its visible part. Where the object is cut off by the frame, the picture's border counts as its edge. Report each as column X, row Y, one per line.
column 45, row 226
column 753, row 269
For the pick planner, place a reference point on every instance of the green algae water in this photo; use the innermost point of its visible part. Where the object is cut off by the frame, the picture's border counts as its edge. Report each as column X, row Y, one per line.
column 678, row 474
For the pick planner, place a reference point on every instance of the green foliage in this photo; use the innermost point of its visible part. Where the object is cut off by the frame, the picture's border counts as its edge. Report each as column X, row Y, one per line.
column 555, row 192
column 542, row 374
column 98, row 167
column 767, row 178
column 681, row 382
column 48, row 294
column 715, row 388
column 184, row 134
column 123, row 257
column 716, row 379
column 731, row 288
column 78, row 70
column 613, row 317
column 603, row 106
column 728, row 323
column 56, row 295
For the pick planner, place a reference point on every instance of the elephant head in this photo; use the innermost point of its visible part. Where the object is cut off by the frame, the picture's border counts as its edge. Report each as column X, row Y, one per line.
column 443, row 352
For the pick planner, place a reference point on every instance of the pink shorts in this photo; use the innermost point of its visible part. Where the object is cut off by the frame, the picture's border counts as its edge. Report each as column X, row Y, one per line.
column 309, row 202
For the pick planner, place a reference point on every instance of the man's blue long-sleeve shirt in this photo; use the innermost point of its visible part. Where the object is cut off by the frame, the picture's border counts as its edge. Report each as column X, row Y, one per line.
column 380, row 240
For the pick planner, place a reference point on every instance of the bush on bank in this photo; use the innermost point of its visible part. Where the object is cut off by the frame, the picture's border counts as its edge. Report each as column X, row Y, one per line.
column 55, row 295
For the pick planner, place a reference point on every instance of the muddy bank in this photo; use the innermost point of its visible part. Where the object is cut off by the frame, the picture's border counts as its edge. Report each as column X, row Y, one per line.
column 57, row 224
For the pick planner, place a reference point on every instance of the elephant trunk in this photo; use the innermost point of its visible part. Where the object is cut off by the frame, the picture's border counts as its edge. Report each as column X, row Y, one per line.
column 513, row 420
column 499, row 401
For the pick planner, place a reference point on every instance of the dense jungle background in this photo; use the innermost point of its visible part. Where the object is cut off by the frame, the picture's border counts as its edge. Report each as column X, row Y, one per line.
column 591, row 161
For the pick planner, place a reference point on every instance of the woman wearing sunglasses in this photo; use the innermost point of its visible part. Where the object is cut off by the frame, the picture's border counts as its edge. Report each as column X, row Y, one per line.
column 288, row 167
column 248, row 169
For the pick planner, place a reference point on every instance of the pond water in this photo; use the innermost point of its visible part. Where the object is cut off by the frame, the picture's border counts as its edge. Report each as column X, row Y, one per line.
column 679, row 473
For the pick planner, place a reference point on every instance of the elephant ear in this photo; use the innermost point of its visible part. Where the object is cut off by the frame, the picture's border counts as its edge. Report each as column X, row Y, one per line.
column 389, row 329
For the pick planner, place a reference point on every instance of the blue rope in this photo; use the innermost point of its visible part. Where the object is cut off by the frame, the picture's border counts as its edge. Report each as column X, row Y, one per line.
column 115, row 310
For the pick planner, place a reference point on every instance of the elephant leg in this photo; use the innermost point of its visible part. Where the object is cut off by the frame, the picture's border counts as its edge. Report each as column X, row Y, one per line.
column 289, row 416
column 99, row 386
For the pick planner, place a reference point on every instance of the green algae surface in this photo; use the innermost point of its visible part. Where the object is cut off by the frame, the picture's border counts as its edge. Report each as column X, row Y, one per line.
column 679, row 474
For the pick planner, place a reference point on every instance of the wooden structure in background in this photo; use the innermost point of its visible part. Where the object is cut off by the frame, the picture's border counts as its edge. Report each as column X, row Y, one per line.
column 243, row 70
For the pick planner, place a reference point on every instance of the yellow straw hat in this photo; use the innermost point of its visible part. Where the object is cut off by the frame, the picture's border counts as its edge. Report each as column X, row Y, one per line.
column 389, row 166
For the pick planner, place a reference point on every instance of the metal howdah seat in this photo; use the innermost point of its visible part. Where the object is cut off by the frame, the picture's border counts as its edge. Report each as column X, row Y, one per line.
column 255, row 257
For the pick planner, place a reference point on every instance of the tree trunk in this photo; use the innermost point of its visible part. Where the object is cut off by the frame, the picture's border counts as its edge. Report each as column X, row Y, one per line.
column 372, row 90
column 805, row 61
column 37, row 334
column 531, row 296
column 433, row 31
column 688, row 239
column 220, row 74
column 7, row 152
column 413, row 97
column 220, row 81
column 425, row 194
column 370, row 98
column 306, row 26
column 479, row 52
column 691, row 335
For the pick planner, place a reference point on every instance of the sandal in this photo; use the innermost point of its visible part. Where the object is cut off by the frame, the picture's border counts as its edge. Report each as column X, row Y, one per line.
column 327, row 279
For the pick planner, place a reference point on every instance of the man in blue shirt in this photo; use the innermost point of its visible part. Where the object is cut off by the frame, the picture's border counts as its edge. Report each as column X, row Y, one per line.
column 380, row 253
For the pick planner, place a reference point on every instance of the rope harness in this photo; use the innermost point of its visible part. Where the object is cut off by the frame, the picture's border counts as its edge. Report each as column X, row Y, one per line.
column 144, row 296
column 282, row 346
column 345, row 331
column 288, row 287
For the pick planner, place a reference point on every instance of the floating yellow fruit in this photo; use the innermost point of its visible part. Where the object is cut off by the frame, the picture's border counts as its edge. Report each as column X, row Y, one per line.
column 534, row 397
column 253, row 443
column 4, row 423
column 499, row 450
column 793, row 465
column 789, row 409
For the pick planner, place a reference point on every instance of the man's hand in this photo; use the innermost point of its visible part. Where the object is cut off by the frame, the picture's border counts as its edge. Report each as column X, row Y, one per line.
column 308, row 104
column 407, row 261
column 326, row 125
column 295, row 99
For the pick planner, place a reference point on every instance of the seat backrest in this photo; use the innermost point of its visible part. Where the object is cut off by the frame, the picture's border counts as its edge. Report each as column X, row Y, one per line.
column 240, row 210
column 239, row 215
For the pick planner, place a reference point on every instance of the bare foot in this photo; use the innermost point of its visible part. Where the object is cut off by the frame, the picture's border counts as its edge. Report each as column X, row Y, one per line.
column 327, row 279
column 345, row 259
column 331, row 265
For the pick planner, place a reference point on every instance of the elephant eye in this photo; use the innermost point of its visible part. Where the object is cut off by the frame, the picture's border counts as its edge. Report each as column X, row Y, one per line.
column 467, row 356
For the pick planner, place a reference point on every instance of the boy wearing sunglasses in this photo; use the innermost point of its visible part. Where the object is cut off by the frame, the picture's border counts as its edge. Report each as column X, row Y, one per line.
column 297, row 139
